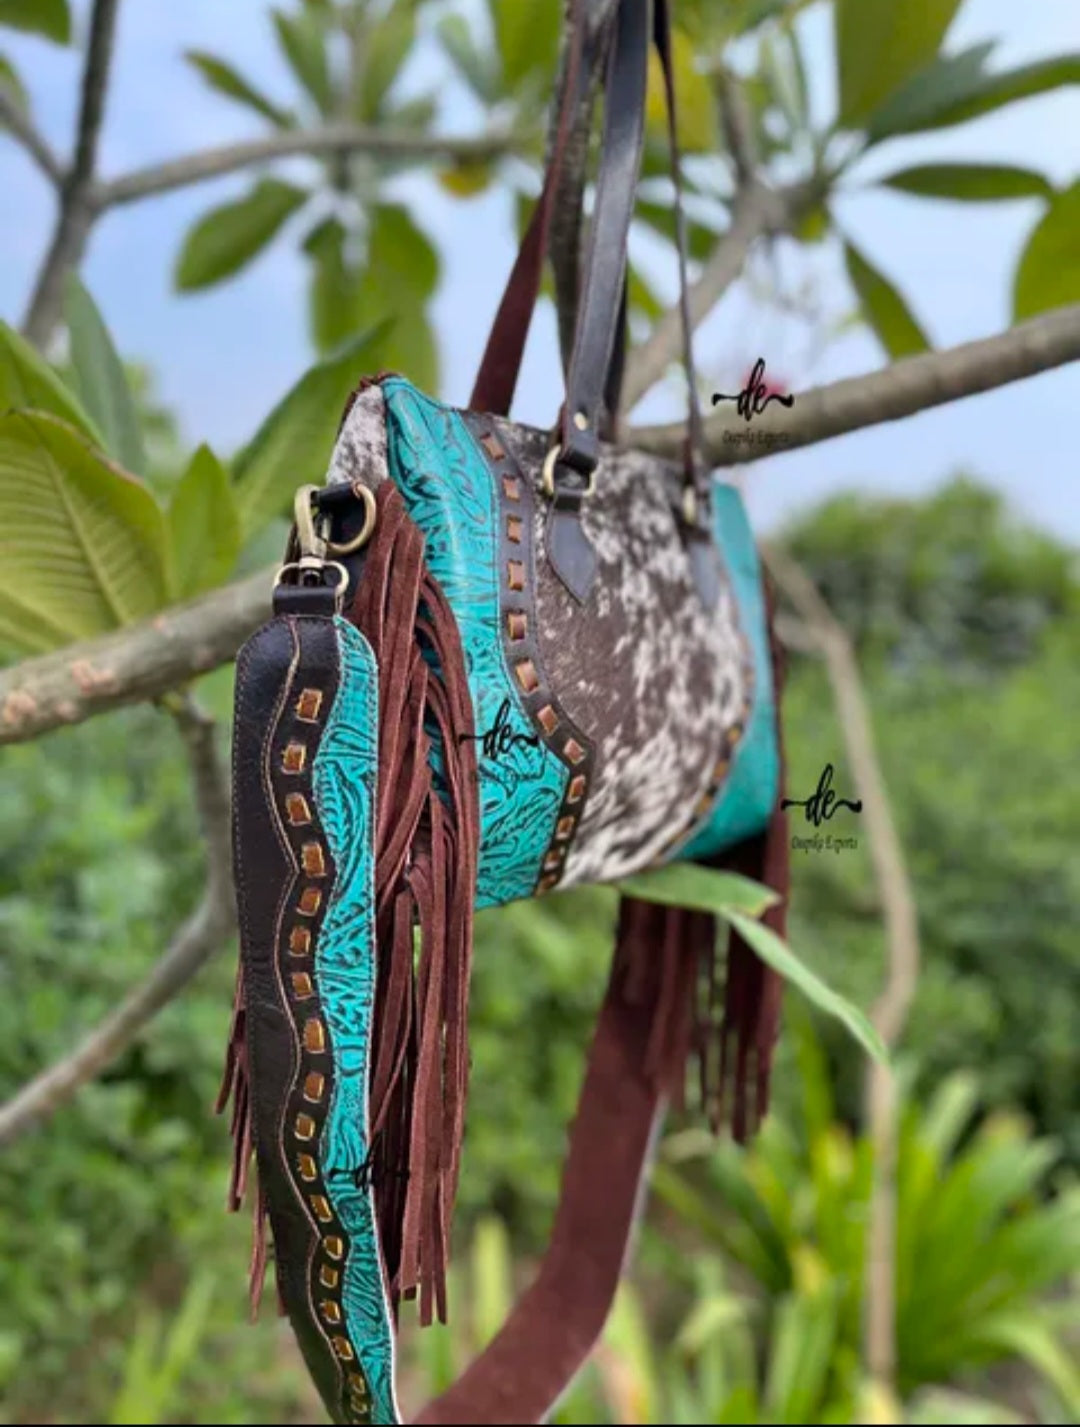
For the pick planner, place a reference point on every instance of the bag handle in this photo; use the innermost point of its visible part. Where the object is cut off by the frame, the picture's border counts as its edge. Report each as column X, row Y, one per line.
column 595, row 366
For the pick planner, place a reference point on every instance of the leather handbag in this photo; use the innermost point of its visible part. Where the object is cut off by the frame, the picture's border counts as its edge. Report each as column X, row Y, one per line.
column 501, row 661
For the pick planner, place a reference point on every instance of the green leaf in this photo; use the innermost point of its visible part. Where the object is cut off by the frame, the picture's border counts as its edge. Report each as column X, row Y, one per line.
column 685, row 884
column 27, row 381
column 222, row 77
column 883, row 308
column 936, row 106
column 226, row 239
column 527, row 39
column 468, row 178
column 492, row 1279
column 1048, row 274
column 82, row 543
column 101, row 380
column 292, row 447
column 474, row 65
column 401, row 259
column 389, row 41
column 970, row 182
column 880, row 44
column 335, row 294
column 695, row 102
column 204, row 527
column 303, row 39
column 402, row 273
column 1032, row 1340
column 784, row 961
column 9, row 80
column 48, row 18
column 956, row 88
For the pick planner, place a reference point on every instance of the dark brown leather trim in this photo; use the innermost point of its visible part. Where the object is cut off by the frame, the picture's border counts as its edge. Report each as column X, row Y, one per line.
column 518, row 628
column 287, row 681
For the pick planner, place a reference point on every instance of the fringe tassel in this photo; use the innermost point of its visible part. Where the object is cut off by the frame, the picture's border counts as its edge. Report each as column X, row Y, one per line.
column 427, row 837
column 672, row 959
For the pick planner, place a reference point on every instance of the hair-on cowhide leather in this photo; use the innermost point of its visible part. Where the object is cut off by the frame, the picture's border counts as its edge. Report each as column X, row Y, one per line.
column 652, row 679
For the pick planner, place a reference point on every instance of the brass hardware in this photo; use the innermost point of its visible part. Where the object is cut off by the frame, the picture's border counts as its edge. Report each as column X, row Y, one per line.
column 690, row 505
column 366, row 530
column 547, row 475
column 581, row 421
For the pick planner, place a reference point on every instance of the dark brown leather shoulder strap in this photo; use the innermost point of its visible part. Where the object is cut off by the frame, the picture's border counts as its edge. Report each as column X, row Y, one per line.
column 556, row 1323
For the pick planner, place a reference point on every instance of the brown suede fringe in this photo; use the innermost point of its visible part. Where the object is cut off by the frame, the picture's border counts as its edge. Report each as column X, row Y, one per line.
column 426, row 846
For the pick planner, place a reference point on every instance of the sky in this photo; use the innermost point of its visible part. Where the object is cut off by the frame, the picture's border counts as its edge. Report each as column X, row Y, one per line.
column 223, row 358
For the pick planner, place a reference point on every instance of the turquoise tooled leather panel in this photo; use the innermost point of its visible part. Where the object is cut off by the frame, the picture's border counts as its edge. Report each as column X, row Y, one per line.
column 450, row 494
column 344, row 783
column 745, row 801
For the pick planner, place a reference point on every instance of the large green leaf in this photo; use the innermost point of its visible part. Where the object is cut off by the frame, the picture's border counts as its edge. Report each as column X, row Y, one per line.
column 953, row 89
column 227, row 239
column 684, row 884
column 49, row 18
column 880, row 44
column 401, row 258
column 474, row 64
column 883, row 307
column 335, row 291
column 784, row 961
column 1048, row 274
column 204, row 527
column 996, row 90
column 402, row 273
column 388, row 42
column 27, row 381
column 292, row 447
column 225, row 79
column 303, row 38
column 970, row 182
column 101, row 380
column 82, row 544
column 527, row 39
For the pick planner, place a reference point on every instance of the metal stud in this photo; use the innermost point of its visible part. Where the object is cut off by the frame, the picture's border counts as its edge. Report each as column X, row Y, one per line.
column 308, row 705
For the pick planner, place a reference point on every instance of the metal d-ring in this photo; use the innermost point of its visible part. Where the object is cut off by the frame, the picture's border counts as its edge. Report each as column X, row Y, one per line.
column 367, row 497
column 547, row 474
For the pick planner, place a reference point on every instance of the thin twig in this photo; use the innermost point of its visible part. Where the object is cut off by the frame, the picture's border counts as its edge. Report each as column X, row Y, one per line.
column 77, row 212
column 904, row 389
column 133, row 664
column 200, row 937
column 738, row 123
column 333, row 139
column 902, row 949
column 18, row 124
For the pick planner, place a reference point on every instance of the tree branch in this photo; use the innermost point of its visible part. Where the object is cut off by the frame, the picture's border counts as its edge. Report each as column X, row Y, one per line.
column 756, row 211
column 902, row 946
column 132, row 664
column 199, row 938
column 142, row 662
column 77, row 211
column 333, row 139
column 904, row 389
column 19, row 125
